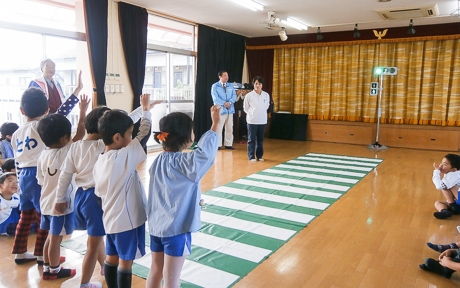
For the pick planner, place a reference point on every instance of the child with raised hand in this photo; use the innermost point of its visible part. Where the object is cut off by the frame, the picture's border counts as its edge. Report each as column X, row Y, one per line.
column 27, row 147
column 123, row 198
column 88, row 210
column 174, row 194
column 9, row 203
column 55, row 131
column 448, row 184
column 79, row 162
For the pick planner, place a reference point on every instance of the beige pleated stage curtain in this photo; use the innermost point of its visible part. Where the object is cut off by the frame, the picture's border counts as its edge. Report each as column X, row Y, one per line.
column 332, row 82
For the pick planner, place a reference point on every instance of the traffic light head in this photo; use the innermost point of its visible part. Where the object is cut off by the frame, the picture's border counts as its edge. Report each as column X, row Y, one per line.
column 378, row 70
column 385, row 71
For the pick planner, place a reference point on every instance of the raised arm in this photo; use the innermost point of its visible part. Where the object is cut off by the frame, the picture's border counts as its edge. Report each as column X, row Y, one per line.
column 84, row 104
column 146, row 121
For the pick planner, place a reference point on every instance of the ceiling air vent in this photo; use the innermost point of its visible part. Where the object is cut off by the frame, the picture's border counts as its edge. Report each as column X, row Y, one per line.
column 408, row 12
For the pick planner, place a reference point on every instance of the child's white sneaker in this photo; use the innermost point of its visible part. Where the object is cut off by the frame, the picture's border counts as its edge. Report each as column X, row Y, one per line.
column 24, row 257
column 458, row 229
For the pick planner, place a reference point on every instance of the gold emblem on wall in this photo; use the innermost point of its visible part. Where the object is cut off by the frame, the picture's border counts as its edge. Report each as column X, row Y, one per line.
column 380, row 34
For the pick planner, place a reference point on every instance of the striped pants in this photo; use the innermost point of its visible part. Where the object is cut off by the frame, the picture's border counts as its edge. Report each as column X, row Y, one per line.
column 22, row 233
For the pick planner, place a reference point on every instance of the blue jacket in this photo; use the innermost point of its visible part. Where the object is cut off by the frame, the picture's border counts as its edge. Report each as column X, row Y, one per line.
column 220, row 96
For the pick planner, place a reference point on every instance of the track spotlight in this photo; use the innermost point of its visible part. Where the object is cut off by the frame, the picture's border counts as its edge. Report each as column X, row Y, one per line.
column 411, row 30
column 282, row 34
column 319, row 36
column 356, row 33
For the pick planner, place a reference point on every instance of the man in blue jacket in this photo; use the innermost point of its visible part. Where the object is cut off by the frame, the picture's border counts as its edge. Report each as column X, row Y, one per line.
column 224, row 94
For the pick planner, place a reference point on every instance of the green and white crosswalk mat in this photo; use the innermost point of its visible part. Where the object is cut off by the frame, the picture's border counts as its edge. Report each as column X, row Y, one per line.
column 247, row 220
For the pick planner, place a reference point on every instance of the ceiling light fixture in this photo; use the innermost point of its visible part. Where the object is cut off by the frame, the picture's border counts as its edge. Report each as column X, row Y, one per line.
column 356, row 33
column 319, row 36
column 411, row 30
column 254, row 6
column 282, row 34
column 295, row 24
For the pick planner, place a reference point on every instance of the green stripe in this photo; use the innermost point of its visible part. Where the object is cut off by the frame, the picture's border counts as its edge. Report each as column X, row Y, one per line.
column 304, row 186
column 224, row 262
column 241, row 236
column 324, row 174
column 356, row 158
column 344, row 165
column 332, row 169
column 141, row 271
column 243, row 215
column 316, row 180
column 266, row 203
column 281, row 193
column 185, row 284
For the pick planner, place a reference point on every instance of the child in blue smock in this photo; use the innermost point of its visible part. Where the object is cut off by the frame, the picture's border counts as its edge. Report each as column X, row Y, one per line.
column 174, row 194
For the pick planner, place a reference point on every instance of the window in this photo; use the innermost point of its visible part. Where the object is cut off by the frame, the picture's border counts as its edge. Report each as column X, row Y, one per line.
column 23, row 51
column 170, row 68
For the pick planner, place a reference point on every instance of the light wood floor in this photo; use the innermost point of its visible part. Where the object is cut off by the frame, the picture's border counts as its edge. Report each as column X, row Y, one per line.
column 374, row 236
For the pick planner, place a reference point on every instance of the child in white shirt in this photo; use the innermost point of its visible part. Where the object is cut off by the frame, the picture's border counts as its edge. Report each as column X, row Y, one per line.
column 123, row 198
column 448, row 184
column 55, row 131
column 9, row 203
column 27, row 147
column 88, row 210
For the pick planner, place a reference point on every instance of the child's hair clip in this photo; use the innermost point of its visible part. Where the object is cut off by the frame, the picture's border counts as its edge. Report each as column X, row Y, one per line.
column 162, row 136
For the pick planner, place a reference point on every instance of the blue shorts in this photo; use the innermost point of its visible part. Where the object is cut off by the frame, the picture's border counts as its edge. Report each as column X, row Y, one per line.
column 30, row 190
column 128, row 245
column 88, row 212
column 58, row 225
column 178, row 245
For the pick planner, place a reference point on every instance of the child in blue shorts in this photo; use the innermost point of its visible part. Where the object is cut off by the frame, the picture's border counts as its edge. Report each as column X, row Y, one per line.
column 55, row 131
column 123, row 198
column 79, row 164
column 27, row 147
column 446, row 178
column 174, row 194
column 88, row 210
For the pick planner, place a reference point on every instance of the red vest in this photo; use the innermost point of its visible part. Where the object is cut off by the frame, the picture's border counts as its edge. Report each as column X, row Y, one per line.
column 54, row 99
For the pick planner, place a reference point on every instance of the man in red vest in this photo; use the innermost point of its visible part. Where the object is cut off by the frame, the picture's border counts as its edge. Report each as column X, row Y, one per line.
column 52, row 87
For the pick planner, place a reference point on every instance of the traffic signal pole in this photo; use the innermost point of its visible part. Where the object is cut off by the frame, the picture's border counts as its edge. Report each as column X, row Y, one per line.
column 376, row 145
column 381, row 72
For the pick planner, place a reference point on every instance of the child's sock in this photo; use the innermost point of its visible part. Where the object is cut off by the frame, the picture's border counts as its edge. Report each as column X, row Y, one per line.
column 443, row 214
column 110, row 275
column 124, row 278
column 433, row 265
column 442, row 248
column 46, row 271
column 60, row 272
column 453, row 207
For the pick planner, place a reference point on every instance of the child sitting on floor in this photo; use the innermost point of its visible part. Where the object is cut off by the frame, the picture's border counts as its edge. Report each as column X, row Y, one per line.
column 448, row 184
column 447, row 263
column 9, row 203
